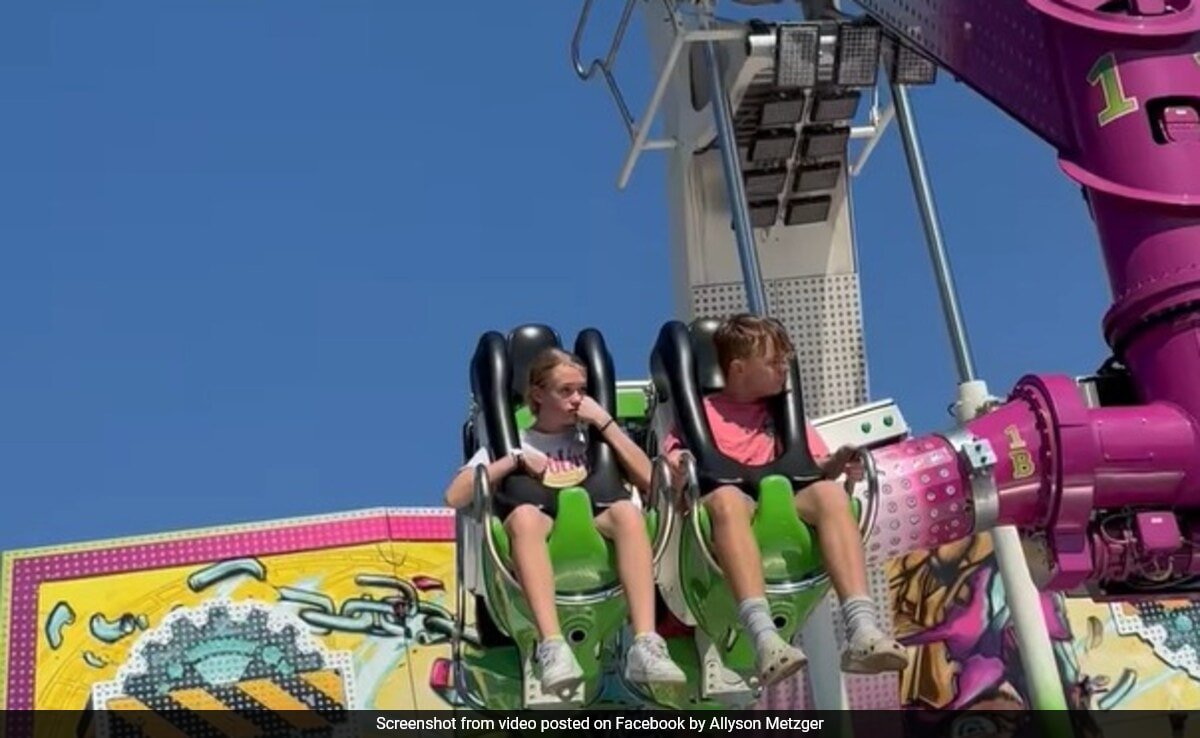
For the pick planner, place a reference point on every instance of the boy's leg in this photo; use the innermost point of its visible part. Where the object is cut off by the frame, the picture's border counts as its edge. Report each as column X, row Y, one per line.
column 731, row 511
column 648, row 660
column 826, row 506
column 528, row 528
column 733, row 541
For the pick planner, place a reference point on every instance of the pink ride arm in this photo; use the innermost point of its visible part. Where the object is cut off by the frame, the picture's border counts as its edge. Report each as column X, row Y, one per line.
column 1066, row 475
column 1107, row 497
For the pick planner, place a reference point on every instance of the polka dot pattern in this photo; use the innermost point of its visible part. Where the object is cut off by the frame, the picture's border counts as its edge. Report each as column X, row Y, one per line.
column 924, row 501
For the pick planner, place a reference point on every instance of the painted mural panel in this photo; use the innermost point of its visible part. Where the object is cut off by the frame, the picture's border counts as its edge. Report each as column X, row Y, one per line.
column 951, row 608
column 354, row 611
column 320, row 614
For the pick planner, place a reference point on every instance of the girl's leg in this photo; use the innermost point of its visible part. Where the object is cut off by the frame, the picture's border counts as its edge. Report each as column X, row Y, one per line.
column 624, row 526
column 648, row 660
column 528, row 528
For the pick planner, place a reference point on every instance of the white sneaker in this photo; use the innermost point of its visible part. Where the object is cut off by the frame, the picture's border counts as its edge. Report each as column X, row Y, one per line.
column 649, row 662
column 560, row 671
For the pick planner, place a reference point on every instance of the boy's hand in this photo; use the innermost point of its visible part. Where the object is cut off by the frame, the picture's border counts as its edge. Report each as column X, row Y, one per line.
column 674, row 460
column 678, row 480
column 535, row 462
column 855, row 472
column 590, row 412
column 843, row 460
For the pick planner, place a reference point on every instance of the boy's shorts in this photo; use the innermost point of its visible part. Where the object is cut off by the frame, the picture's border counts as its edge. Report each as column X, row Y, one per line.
column 750, row 492
column 751, row 498
column 521, row 489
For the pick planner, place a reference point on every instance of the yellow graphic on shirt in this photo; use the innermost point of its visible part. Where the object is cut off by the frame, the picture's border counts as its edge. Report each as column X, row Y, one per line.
column 563, row 470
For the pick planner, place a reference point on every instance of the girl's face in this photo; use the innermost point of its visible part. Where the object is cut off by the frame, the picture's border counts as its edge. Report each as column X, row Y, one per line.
column 559, row 396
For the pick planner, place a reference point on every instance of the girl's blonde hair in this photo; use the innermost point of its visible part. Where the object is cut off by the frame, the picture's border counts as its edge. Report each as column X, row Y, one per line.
column 540, row 368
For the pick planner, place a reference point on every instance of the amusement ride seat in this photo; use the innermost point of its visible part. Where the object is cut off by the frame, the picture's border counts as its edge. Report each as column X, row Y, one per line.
column 587, row 590
column 684, row 369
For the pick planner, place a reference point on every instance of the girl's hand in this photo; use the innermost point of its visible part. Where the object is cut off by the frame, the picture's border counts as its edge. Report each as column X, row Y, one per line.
column 590, row 412
column 535, row 462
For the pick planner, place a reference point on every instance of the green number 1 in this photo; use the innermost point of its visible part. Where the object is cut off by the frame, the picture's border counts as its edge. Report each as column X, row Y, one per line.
column 1105, row 73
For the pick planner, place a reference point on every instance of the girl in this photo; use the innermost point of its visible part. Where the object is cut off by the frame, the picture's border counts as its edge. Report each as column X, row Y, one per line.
column 554, row 455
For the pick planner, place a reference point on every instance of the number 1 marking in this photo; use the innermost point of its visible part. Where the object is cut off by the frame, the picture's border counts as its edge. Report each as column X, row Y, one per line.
column 1116, row 105
column 1018, row 453
column 1014, row 437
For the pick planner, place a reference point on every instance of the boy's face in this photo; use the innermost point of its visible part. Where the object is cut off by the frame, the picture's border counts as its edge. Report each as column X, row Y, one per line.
column 559, row 397
column 763, row 374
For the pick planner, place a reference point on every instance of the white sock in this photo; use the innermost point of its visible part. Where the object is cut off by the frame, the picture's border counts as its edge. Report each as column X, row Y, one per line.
column 862, row 619
column 755, row 616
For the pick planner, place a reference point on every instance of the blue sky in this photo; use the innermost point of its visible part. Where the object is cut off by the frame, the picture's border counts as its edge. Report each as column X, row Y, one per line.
column 248, row 249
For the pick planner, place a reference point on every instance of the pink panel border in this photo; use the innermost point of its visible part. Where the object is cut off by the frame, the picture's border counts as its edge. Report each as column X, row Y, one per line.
column 29, row 573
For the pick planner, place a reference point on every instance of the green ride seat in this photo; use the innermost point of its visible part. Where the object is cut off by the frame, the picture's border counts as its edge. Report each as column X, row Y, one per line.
column 582, row 559
column 685, row 368
column 788, row 545
column 591, row 612
column 585, row 573
column 790, row 556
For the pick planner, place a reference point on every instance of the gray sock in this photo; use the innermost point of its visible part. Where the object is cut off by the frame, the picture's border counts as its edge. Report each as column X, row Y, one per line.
column 755, row 617
column 862, row 620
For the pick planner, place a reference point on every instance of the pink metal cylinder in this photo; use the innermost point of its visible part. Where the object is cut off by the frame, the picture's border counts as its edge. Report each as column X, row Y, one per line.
column 1023, row 460
column 1149, row 455
column 924, row 501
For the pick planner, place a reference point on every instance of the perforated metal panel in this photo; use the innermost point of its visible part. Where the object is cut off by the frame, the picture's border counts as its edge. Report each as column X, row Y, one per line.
column 823, row 316
column 999, row 47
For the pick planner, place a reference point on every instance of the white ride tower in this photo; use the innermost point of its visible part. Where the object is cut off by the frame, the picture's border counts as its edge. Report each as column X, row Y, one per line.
column 800, row 102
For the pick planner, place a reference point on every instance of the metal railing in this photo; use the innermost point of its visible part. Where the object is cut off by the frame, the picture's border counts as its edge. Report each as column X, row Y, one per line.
column 639, row 128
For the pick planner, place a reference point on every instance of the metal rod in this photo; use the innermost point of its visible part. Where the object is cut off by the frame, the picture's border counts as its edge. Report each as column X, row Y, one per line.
column 1024, row 601
column 825, row 659
column 880, row 128
column 642, row 128
column 756, row 299
column 585, row 73
column 647, row 121
column 1029, row 622
column 867, row 131
column 933, row 233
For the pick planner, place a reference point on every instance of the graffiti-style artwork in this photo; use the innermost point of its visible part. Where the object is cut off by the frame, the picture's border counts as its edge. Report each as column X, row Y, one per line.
column 312, row 616
column 929, row 588
column 950, row 606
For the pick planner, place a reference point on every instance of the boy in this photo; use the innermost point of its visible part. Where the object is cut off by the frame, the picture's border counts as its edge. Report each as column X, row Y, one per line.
column 754, row 355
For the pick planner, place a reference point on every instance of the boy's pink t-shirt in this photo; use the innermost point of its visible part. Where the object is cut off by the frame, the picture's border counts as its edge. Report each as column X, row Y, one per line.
column 744, row 431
